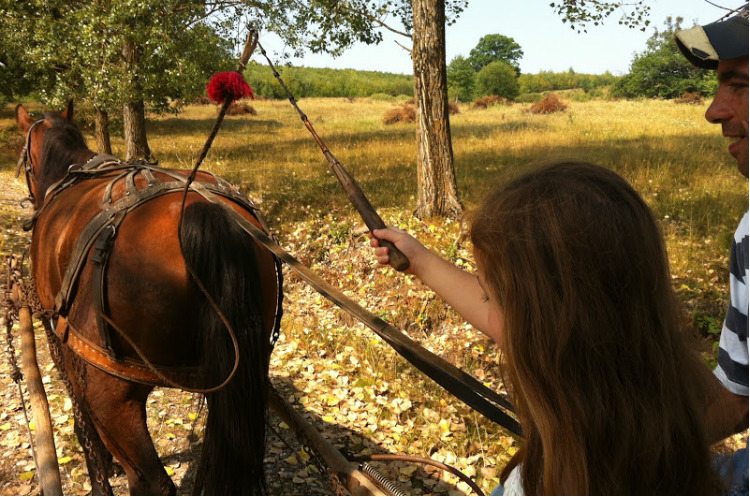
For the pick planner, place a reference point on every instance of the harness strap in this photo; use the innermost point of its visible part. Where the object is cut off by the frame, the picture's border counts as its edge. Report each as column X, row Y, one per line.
column 100, row 258
column 122, row 368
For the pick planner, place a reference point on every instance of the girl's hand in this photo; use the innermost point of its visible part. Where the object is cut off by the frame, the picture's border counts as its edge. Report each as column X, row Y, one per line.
column 411, row 248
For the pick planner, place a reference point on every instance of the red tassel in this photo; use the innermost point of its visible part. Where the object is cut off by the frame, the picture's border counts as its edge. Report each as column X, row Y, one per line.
column 230, row 84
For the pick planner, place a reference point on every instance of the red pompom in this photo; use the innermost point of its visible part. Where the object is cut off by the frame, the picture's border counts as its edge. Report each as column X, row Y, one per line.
column 231, row 84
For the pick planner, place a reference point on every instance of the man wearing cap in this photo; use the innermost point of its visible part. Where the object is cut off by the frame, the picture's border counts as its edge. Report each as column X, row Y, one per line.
column 723, row 46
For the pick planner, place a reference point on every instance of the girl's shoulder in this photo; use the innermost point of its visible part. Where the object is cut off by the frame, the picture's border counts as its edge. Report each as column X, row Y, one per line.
column 513, row 484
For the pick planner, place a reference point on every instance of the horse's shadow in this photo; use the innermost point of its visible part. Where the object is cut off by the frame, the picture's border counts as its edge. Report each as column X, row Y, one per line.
column 286, row 472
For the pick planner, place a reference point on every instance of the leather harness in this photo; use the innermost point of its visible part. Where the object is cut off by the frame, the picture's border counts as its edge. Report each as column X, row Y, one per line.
column 141, row 183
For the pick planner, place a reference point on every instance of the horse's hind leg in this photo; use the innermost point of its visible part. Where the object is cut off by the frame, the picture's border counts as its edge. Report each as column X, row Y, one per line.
column 118, row 409
column 98, row 459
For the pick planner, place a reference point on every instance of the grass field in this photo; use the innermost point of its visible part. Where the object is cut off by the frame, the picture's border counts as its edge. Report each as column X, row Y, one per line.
column 359, row 391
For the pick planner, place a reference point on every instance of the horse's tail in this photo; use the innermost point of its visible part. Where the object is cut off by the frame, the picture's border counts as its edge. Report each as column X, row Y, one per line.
column 223, row 257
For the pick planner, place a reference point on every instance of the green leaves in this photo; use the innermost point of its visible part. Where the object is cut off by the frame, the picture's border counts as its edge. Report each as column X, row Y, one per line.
column 580, row 14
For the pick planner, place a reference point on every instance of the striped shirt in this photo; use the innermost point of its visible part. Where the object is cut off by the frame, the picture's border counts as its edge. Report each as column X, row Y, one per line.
column 732, row 364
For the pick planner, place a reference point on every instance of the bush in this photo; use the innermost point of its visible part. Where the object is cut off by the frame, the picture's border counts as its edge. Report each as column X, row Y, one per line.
column 489, row 101
column 689, row 97
column 407, row 113
column 548, row 105
column 239, row 109
column 453, row 108
column 203, row 100
column 497, row 78
column 461, row 77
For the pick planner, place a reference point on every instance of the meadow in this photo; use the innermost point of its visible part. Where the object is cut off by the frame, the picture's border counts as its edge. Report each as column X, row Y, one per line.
column 359, row 392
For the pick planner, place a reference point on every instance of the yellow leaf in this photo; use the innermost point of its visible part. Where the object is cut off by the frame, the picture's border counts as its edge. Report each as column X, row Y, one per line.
column 64, row 460
column 171, row 436
column 329, row 419
column 445, row 426
column 291, row 459
column 26, row 476
column 192, row 416
column 304, row 455
column 170, row 471
column 5, row 426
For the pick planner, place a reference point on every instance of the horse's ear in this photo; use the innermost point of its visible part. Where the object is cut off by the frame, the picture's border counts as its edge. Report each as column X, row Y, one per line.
column 68, row 112
column 23, row 119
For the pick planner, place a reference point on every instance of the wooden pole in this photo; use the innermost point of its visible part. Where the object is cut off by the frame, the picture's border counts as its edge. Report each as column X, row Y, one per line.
column 48, row 471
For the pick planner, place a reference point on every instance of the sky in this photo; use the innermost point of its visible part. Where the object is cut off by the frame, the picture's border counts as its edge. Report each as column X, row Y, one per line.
column 547, row 43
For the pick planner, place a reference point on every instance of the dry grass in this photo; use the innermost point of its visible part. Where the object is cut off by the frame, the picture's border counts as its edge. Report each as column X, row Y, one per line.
column 676, row 160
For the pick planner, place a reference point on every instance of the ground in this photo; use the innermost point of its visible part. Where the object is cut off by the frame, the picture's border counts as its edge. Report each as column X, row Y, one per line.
column 176, row 417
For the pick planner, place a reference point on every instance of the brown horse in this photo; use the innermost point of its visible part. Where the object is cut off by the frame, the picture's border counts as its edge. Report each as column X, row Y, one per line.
column 131, row 298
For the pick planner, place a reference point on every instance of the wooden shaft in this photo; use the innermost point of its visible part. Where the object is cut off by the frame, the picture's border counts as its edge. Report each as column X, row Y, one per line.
column 46, row 457
column 357, row 482
column 252, row 40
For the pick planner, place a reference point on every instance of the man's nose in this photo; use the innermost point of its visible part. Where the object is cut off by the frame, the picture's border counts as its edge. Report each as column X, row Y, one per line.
column 719, row 111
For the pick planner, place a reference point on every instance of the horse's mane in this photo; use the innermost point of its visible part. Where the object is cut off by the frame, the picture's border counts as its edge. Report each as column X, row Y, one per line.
column 63, row 145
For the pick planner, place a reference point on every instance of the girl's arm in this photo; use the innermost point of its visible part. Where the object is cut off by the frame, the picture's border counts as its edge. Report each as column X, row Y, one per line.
column 460, row 289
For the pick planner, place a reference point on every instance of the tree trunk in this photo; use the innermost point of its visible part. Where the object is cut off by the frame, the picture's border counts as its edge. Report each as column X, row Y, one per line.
column 134, row 111
column 436, row 177
column 101, row 132
column 134, row 129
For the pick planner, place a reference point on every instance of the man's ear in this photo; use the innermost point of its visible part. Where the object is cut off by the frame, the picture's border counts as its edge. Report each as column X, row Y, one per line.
column 23, row 119
column 68, row 112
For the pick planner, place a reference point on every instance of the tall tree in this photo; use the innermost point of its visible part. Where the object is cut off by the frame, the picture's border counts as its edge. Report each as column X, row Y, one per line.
column 436, row 178
column 493, row 48
column 661, row 71
column 461, row 79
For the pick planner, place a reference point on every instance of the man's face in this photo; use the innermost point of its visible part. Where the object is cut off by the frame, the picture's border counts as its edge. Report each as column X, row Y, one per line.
column 729, row 108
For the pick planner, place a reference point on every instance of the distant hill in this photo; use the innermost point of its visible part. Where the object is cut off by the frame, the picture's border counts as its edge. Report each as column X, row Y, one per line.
column 317, row 82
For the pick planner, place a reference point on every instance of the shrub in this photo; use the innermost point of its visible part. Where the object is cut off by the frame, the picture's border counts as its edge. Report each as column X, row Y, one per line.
column 548, row 105
column 407, row 113
column 239, row 109
column 497, row 78
column 453, row 108
column 202, row 100
column 689, row 97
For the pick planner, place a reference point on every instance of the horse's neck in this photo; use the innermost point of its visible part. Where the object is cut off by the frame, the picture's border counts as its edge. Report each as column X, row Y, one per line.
column 80, row 157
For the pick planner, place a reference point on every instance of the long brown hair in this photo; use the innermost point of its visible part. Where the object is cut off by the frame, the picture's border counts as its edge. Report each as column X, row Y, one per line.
column 606, row 386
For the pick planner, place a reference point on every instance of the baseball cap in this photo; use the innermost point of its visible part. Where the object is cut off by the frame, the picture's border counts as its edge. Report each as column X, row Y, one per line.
column 727, row 38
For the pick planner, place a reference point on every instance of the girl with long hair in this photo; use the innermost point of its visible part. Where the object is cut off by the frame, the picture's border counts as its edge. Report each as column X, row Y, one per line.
column 573, row 284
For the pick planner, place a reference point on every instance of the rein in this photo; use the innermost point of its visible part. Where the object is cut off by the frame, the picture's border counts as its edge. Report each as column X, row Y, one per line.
column 25, row 163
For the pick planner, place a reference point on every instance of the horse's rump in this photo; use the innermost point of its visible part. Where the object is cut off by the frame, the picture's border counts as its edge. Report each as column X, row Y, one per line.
column 149, row 293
